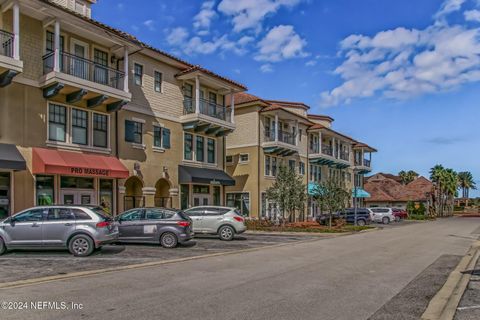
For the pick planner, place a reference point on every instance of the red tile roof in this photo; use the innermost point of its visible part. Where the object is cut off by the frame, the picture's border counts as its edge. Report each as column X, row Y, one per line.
column 390, row 190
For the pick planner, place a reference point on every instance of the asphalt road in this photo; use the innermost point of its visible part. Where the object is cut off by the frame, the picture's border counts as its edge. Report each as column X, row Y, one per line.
column 348, row 277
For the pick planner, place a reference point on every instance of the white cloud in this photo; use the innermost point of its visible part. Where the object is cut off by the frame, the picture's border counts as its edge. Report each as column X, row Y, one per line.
column 249, row 14
column 280, row 43
column 203, row 19
column 472, row 15
column 404, row 63
column 311, row 63
column 177, row 36
column 448, row 7
column 266, row 68
column 150, row 24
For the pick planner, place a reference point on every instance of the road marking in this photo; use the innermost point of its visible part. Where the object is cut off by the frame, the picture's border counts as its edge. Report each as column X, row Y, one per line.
column 81, row 274
column 468, row 308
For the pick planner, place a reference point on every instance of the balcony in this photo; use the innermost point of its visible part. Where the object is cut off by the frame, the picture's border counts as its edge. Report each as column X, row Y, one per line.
column 9, row 66
column 326, row 157
column 363, row 167
column 82, row 80
column 283, row 145
column 209, row 118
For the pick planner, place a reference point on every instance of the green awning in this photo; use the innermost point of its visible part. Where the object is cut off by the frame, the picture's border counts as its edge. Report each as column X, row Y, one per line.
column 361, row 193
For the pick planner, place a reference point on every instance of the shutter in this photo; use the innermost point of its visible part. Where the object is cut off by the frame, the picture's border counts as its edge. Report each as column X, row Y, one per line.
column 129, row 131
column 166, row 138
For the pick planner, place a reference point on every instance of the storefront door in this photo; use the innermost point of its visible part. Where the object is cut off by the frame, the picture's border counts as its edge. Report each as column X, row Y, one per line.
column 77, row 197
column 201, row 200
column 5, row 181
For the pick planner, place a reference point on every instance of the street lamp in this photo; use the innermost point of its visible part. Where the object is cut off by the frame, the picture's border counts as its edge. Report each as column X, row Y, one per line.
column 355, row 171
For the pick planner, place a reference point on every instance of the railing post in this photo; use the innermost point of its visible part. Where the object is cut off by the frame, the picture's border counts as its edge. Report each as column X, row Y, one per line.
column 125, row 69
column 197, row 94
column 232, row 107
column 296, row 132
column 276, row 127
column 16, row 31
column 363, row 158
column 320, row 146
column 56, row 55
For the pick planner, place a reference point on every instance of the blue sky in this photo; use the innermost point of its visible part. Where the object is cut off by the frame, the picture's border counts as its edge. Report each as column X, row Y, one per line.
column 402, row 76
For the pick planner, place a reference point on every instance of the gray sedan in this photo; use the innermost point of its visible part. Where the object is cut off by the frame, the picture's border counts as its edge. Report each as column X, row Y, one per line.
column 166, row 227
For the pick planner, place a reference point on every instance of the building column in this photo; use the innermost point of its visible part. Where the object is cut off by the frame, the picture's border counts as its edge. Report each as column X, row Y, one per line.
column 126, row 69
column 334, row 147
column 197, row 94
column 296, row 132
column 320, row 142
column 363, row 158
column 16, row 31
column 56, row 56
column 276, row 127
column 121, row 199
column 149, row 194
column 232, row 105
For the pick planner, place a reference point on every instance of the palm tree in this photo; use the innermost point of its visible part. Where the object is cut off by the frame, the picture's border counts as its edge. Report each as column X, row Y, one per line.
column 435, row 176
column 407, row 176
column 466, row 182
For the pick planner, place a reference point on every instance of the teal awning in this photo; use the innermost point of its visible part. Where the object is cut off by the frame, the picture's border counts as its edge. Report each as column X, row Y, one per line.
column 361, row 193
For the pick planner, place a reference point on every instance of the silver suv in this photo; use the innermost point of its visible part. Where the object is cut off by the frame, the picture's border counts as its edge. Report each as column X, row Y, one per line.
column 223, row 221
column 80, row 229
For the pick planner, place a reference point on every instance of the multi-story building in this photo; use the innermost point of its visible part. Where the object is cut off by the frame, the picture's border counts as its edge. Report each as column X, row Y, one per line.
column 91, row 115
column 274, row 133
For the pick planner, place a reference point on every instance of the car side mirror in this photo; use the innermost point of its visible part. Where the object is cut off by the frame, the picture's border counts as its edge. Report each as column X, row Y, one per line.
column 12, row 222
column 119, row 220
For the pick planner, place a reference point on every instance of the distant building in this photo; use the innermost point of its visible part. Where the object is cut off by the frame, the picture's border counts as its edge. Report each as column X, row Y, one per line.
column 387, row 190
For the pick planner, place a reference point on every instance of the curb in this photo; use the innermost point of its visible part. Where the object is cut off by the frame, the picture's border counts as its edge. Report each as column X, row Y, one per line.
column 29, row 282
column 444, row 304
column 314, row 234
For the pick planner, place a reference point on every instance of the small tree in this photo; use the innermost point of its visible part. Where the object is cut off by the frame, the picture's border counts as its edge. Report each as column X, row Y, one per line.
column 332, row 196
column 288, row 192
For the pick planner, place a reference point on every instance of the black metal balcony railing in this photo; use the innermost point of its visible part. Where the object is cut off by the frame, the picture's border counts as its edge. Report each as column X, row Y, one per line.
column 85, row 69
column 283, row 136
column 6, row 43
column 367, row 163
column 327, row 150
column 207, row 108
column 345, row 156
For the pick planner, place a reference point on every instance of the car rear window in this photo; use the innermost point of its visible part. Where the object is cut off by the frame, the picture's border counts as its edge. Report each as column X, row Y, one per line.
column 81, row 215
column 182, row 215
column 102, row 214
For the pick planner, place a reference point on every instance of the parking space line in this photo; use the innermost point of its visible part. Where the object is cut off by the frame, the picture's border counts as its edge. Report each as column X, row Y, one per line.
column 41, row 280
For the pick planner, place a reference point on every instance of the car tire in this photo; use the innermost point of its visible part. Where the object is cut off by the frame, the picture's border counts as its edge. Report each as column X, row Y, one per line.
column 81, row 245
column 226, row 233
column 361, row 223
column 398, row 219
column 168, row 240
column 3, row 248
column 385, row 220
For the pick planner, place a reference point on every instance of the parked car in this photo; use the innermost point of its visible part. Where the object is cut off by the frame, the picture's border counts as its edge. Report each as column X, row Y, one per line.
column 167, row 227
column 222, row 221
column 363, row 217
column 81, row 229
column 382, row 215
column 399, row 214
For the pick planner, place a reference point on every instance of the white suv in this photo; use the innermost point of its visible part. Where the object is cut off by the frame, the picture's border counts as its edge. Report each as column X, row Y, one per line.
column 383, row 215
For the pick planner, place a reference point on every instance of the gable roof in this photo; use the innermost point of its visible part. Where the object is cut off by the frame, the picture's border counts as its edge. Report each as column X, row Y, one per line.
column 288, row 104
column 390, row 190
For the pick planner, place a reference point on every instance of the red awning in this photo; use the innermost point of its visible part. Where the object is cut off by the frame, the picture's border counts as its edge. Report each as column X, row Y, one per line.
column 48, row 161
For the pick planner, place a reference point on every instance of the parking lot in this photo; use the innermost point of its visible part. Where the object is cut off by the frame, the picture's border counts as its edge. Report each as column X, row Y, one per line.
column 21, row 264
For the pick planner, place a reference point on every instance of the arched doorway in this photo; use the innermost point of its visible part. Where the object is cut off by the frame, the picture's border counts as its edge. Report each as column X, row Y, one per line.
column 162, row 194
column 133, row 193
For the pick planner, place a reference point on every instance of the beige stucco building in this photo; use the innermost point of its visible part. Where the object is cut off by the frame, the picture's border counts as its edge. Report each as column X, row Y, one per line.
column 97, row 117
column 271, row 134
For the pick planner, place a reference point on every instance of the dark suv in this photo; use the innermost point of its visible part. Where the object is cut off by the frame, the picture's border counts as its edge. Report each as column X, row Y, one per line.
column 363, row 217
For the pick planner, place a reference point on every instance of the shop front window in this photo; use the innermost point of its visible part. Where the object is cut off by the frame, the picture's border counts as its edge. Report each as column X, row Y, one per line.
column 106, row 195
column 76, row 183
column 184, row 196
column 216, row 196
column 241, row 201
column 4, row 194
column 45, row 187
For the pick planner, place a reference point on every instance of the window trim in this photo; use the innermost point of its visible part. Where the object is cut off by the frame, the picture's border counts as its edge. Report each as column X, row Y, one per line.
column 205, row 149
column 135, row 63
column 155, row 72
column 68, row 144
column 134, row 143
column 240, row 161
column 228, row 162
column 241, row 192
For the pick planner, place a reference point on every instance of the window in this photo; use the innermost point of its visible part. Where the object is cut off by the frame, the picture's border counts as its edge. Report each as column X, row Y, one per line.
column 44, row 190
column 76, row 182
column 81, row 215
column 229, row 159
column 56, row 214
column 315, row 173
column 106, row 195
column 133, row 215
column 188, row 91
column 100, row 130
column 300, row 133
column 57, row 123
column 158, row 81
column 201, row 189
column 138, row 74
column 157, row 137
column 274, row 166
column 30, row 216
column 216, row 195
column 184, row 196
column 153, row 214
column 199, row 150
column 244, row 157
column 188, row 146
column 79, row 126
column 211, row 150
column 101, row 66
column 133, row 131
column 267, row 165
column 241, row 201
column 291, row 164
column 301, row 168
